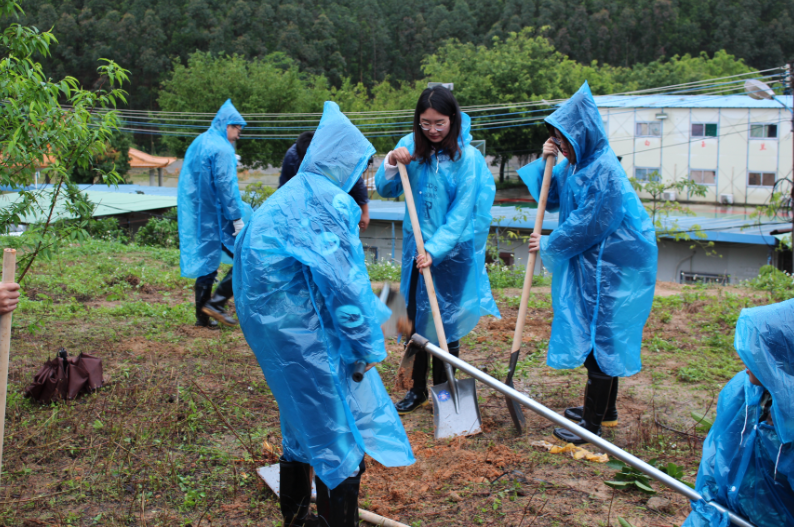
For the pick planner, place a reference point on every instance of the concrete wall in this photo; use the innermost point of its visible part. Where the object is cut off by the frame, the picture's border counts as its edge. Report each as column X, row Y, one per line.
column 737, row 261
column 732, row 155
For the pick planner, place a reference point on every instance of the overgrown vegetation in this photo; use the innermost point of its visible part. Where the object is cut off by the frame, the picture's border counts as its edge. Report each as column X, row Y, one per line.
column 256, row 193
column 160, row 232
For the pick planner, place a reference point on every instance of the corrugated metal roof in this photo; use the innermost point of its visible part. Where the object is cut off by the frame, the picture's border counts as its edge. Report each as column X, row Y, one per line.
column 100, row 187
column 108, row 204
column 727, row 230
column 689, row 101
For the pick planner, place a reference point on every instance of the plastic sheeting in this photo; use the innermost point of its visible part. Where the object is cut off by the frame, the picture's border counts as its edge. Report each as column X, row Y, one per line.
column 208, row 198
column 453, row 201
column 603, row 253
column 307, row 310
column 747, row 465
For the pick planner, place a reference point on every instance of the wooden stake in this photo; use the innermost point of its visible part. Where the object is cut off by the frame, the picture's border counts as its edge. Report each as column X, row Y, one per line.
column 9, row 270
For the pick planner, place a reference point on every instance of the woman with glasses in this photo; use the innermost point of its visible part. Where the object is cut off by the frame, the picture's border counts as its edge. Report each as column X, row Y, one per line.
column 602, row 257
column 453, row 191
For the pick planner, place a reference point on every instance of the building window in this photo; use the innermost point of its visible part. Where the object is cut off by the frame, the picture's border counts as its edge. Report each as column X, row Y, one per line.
column 703, row 278
column 704, row 130
column 703, row 177
column 650, row 129
column 646, row 174
column 761, row 179
column 763, row 131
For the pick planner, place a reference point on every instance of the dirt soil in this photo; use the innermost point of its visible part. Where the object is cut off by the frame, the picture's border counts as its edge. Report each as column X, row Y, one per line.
column 175, row 436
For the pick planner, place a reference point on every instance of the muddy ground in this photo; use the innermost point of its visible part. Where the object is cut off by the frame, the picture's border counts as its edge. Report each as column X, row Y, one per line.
column 175, row 436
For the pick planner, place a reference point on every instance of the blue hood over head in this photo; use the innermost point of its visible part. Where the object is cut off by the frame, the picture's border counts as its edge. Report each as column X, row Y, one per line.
column 765, row 342
column 580, row 122
column 338, row 151
column 226, row 116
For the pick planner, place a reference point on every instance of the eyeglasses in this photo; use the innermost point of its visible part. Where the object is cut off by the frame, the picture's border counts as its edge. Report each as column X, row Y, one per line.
column 428, row 126
column 556, row 141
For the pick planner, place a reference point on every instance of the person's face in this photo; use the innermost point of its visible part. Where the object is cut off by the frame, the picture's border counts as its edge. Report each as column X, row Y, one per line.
column 233, row 132
column 434, row 125
column 564, row 146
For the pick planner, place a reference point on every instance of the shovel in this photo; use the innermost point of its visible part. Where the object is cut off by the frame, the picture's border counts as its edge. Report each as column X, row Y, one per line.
column 455, row 408
column 512, row 406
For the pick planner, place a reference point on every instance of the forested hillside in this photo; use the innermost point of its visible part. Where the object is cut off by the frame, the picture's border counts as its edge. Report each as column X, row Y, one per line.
column 369, row 41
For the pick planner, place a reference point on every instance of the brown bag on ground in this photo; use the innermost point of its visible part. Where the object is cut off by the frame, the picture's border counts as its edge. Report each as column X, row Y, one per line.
column 66, row 377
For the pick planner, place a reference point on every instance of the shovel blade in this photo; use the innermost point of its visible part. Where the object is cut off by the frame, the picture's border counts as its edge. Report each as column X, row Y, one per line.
column 398, row 323
column 271, row 474
column 512, row 406
column 448, row 422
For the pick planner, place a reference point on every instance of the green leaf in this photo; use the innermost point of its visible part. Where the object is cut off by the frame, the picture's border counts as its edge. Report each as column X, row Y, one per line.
column 618, row 484
column 624, row 523
column 645, row 488
column 616, row 464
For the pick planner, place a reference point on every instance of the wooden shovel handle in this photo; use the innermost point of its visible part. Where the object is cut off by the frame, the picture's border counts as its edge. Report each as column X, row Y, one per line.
column 420, row 248
column 9, row 270
column 541, row 211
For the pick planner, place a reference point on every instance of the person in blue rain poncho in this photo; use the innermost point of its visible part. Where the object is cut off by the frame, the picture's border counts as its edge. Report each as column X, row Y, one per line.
column 748, row 456
column 307, row 310
column 211, row 213
column 602, row 257
column 454, row 192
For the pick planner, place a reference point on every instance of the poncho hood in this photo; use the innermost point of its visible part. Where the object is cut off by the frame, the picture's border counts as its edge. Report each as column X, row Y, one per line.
column 765, row 342
column 226, row 116
column 338, row 151
column 580, row 122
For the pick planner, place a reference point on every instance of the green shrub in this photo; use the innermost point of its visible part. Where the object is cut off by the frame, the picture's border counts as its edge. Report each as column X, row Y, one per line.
column 107, row 229
column 384, row 271
column 780, row 284
column 160, row 232
column 256, row 193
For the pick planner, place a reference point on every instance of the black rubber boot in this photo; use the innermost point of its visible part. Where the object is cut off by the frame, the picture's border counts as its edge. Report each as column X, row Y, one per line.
column 216, row 306
column 598, row 391
column 339, row 507
column 439, row 371
column 411, row 401
column 203, row 293
column 295, row 488
column 610, row 418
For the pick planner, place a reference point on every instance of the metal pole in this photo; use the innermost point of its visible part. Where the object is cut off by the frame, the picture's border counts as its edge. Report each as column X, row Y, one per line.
column 392, row 241
column 160, row 177
column 562, row 422
column 791, row 205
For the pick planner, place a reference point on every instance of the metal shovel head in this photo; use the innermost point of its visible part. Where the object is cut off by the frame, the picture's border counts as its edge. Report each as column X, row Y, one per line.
column 450, row 423
column 398, row 323
column 512, row 406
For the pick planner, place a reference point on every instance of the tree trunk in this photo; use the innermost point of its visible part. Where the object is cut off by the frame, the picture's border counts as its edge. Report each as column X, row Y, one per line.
column 502, row 163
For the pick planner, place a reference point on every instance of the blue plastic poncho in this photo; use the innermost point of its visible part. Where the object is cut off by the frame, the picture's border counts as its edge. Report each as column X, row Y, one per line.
column 208, row 198
column 603, row 253
column 453, row 201
column 748, row 464
column 307, row 310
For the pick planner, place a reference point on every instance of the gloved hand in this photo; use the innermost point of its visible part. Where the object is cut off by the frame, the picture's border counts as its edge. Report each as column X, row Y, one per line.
column 238, row 226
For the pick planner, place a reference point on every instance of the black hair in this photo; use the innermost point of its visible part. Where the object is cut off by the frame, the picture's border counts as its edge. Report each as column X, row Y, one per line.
column 441, row 100
column 302, row 144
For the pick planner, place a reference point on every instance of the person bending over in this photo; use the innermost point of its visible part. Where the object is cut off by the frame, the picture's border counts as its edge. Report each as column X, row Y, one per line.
column 307, row 310
column 748, row 455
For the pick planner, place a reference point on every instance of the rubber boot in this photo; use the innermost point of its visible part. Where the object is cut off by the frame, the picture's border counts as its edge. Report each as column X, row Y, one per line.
column 295, row 493
column 339, row 507
column 417, row 395
column 610, row 418
column 597, row 393
column 216, row 307
column 439, row 371
column 203, row 292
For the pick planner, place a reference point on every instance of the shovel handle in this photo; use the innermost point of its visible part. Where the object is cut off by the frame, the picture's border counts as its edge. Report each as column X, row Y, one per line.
column 9, row 270
column 358, row 370
column 420, row 248
column 541, row 211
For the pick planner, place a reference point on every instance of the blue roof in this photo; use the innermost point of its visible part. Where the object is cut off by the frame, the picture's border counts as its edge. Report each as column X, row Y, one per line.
column 690, row 101
column 726, row 230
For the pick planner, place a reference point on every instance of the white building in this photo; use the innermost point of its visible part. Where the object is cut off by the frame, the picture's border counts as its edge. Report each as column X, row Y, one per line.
column 737, row 146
